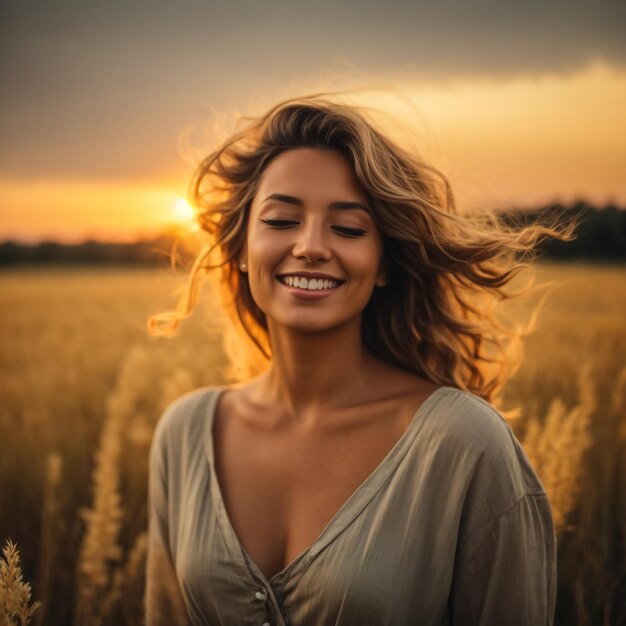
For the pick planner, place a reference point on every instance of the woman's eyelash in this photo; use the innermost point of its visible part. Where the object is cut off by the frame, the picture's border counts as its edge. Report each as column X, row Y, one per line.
column 279, row 223
column 342, row 230
column 349, row 232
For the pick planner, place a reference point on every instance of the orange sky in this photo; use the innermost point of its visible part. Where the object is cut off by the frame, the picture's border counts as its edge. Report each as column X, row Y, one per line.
column 501, row 141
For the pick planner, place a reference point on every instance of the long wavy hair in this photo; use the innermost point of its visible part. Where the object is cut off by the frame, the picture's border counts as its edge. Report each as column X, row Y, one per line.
column 447, row 271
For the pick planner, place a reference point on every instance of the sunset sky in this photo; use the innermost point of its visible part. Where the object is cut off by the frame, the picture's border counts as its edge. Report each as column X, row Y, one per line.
column 105, row 105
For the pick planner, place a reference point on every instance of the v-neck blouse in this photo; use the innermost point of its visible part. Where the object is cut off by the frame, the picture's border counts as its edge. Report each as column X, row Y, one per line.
column 453, row 527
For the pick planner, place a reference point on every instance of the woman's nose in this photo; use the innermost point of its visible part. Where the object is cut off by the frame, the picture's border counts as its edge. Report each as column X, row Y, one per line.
column 312, row 243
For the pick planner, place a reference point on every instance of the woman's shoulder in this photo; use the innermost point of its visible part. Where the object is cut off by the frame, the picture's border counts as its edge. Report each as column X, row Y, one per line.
column 453, row 413
column 473, row 428
column 500, row 486
column 470, row 416
column 183, row 418
column 462, row 414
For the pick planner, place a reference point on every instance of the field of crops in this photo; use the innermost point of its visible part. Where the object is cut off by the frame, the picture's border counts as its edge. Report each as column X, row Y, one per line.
column 82, row 385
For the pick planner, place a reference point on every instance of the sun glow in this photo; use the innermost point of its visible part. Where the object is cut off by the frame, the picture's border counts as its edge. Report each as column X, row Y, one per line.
column 185, row 214
column 183, row 210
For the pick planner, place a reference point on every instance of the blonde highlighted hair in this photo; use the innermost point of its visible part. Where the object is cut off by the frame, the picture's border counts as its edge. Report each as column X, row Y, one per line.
column 447, row 271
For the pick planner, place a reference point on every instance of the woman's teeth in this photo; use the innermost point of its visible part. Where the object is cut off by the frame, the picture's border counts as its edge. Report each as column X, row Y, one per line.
column 310, row 283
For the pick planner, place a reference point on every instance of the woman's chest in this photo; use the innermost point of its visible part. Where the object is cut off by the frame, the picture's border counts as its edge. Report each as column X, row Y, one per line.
column 280, row 491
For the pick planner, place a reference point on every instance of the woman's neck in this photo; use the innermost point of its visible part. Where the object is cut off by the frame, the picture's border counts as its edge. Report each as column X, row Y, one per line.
column 316, row 370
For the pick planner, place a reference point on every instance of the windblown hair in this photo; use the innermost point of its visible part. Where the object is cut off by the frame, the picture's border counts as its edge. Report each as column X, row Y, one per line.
column 447, row 271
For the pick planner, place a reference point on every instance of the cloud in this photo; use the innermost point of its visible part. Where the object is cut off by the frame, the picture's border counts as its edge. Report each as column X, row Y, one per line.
column 102, row 89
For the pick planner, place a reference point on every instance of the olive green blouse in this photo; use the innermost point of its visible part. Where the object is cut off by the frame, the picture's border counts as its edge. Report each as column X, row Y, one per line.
column 453, row 527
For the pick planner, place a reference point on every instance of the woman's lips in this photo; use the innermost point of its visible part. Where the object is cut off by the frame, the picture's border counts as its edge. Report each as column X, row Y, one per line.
column 309, row 294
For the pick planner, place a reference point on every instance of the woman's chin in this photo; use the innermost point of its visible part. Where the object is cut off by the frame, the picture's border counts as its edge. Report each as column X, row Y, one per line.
column 305, row 324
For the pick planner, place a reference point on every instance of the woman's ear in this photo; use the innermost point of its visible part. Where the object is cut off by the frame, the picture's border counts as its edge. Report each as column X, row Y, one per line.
column 383, row 277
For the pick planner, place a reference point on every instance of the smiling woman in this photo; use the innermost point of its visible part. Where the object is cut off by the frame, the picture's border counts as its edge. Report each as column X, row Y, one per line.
column 363, row 477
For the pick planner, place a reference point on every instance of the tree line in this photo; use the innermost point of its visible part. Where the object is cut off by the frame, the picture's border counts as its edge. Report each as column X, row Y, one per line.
column 600, row 234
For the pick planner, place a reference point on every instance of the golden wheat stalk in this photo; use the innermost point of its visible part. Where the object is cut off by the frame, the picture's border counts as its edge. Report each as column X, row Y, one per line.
column 54, row 470
column 101, row 549
column 103, row 524
column 557, row 448
column 14, row 593
column 127, row 578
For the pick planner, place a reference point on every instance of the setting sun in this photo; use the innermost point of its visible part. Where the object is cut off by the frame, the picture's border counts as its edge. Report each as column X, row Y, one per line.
column 184, row 211
column 185, row 214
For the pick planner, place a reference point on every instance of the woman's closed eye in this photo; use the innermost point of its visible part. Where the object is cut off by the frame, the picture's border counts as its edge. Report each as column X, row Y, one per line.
column 344, row 231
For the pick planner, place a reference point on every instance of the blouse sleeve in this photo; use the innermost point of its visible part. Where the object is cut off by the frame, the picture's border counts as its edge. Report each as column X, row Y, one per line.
column 509, row 577
column 164, row 603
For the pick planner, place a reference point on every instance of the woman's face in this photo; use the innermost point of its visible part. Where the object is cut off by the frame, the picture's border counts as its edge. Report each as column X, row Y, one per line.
column 310, row 224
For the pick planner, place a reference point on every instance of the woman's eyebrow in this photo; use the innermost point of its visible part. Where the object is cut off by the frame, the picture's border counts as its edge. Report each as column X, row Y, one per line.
column 338, row 205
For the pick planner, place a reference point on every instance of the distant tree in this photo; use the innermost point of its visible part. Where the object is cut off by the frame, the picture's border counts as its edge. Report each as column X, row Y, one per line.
column 600, row 236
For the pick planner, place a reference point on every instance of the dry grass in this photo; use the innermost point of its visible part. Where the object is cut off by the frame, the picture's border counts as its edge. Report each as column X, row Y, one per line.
column 15, row 605
column 557, row 447
column 82, row 385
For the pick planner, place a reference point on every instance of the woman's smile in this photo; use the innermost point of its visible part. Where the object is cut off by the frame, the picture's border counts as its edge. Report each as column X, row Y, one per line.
column 309, row 289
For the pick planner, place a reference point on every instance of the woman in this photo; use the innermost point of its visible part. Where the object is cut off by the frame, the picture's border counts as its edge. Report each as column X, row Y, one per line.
column 363, row 477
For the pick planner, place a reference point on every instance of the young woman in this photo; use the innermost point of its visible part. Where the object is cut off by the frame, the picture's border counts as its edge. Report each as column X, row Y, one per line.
column 364, row 477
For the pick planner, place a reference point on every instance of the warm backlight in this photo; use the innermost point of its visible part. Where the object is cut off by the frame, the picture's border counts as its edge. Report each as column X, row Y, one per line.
column 185, row 214
column 183, row 211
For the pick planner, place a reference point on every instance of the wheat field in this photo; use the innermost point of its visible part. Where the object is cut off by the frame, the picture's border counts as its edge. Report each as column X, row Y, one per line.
column 83, row 384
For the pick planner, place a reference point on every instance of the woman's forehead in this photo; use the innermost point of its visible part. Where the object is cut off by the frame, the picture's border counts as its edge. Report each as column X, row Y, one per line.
column 311, row 171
